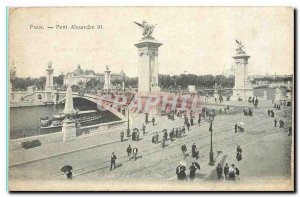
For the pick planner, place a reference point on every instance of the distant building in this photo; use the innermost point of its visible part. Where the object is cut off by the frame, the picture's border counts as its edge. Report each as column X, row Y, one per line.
column 80, row 75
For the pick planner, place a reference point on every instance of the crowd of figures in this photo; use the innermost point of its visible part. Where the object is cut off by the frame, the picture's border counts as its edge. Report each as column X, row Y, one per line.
column 230, row 172
column 226, row 172
column 279, row 122
column 253, row 100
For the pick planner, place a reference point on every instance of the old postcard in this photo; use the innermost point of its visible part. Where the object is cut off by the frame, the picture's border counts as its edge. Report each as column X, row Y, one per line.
column 151, row 99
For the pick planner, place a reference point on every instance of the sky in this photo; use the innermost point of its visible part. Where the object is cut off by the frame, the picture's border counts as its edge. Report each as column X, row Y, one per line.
column 200, row 40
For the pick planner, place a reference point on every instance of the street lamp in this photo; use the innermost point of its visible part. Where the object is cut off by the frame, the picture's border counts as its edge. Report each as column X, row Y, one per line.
column 211, row 153
column 128, row 129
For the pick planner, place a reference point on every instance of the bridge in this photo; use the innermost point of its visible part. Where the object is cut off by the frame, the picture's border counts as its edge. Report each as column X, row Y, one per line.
column 56, row 97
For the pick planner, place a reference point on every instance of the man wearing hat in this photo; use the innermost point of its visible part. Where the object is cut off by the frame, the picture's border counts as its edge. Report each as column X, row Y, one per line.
column 135, row 152
column 113, row 158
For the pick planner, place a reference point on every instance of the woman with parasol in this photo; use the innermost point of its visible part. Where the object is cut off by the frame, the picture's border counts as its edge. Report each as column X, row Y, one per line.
column 67, row 169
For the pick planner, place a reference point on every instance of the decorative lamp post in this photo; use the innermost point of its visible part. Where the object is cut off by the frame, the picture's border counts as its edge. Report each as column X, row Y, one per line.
column 128, row 129
column 211, row 153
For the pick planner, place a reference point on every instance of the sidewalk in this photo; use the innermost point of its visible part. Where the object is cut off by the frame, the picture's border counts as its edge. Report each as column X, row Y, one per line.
column 21, row 156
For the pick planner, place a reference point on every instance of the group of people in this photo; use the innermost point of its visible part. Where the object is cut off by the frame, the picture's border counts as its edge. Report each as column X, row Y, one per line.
column 281, row 123
column 181, row 171
column 195, row 151
column 220, row 99
column 133, row 151
column 230, row 172
column 271, row 113
column 248, row 112
column 253, row 100
column 177, row 133
column 226, row 108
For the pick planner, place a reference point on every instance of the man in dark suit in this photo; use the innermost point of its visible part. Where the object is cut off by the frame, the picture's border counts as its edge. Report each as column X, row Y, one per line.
column 122, row 136
column 219, row 171
column 144, row 129
column 194, row 151
column 192, row 171
column 113, row 159
column 129, row 152
column 226, row 170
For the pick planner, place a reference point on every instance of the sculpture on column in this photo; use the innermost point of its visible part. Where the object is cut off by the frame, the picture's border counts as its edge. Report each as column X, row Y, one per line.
column 147, row 28
column 147, row 60
column 240, row 47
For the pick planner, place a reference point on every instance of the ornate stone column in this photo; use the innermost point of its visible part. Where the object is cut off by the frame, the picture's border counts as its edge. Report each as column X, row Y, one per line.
column 147, row 64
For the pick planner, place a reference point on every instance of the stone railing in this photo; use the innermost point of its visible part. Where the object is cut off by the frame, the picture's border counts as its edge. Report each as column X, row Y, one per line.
column 101, row 128
column 82, row 132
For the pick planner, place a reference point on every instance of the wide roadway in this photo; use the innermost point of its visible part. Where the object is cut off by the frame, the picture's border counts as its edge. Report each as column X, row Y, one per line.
column 266, row 152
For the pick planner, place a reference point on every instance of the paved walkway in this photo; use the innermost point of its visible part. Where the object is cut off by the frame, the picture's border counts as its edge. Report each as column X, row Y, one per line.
column 156, row 163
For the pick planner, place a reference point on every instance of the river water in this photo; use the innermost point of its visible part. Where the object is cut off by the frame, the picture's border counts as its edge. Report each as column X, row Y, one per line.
column 26, row 120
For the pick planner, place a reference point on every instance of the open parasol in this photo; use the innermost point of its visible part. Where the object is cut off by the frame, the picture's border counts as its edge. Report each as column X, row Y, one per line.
column 197, row 165
column 241, row 124
column 66, row 168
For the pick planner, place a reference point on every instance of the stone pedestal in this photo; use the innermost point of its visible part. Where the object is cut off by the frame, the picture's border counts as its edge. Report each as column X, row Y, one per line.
column 49, row 77
column 265, row 95
column 107, row 84
column 148, row 64
column 69, row 109
column 278, row 95
column 242, row 89
column 69, row 130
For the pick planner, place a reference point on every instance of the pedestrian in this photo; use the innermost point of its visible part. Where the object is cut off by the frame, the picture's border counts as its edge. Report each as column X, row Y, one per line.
column 176, row 133
column 239, row 153
column 69, row 174
column 146, row 118
column 192, row 121
column 195, row 152
column 281, row 123
column 268, row 112
column 113, row 159
column 129, row 150
column 171, row 135
column 163, row 142
column 144, row 129
column 219, row 171
column 231, row 174
column 153, row 138
column 137, row 136
column 235, row 127
column 199, row 120
column 178, row 170
column 188, row 126
column 153, row 120
column 135, row 151
column 290, row 131
column 226, row 171
column 275, row 122
column 192, row 171
column 183, row 150
column 122, row 135
column 166, row 135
